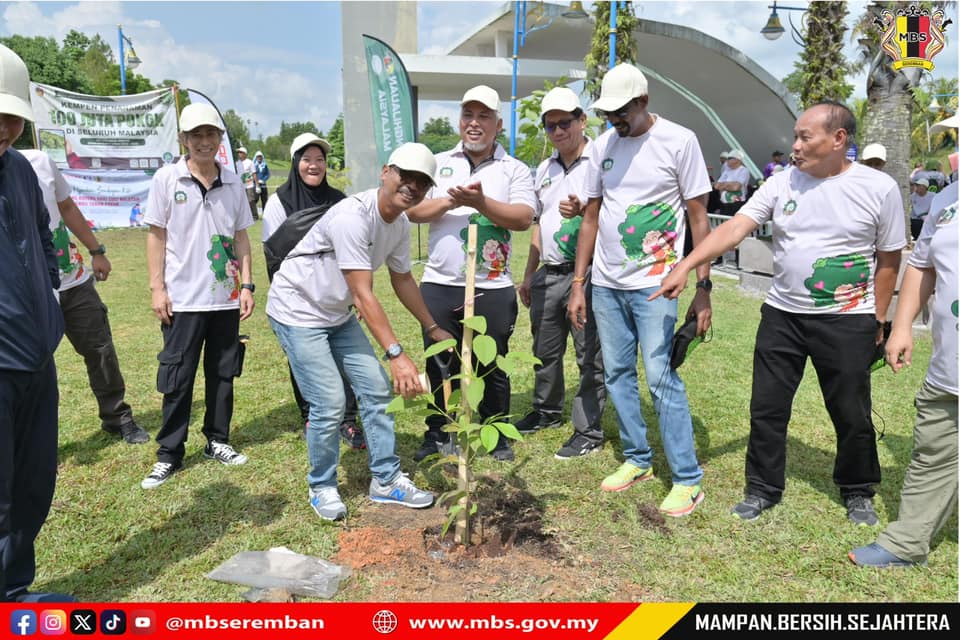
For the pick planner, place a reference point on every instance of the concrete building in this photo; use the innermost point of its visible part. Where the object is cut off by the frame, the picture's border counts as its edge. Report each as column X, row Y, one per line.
column 695, row 80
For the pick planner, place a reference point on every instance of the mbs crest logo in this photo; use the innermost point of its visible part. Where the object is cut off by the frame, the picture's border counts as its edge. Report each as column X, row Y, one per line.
column 912, row 36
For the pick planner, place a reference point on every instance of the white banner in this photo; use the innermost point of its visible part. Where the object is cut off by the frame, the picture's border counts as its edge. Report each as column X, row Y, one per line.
column 110, row 198
column 99, row 132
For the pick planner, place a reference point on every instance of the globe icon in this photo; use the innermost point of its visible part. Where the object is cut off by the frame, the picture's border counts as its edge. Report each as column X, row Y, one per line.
column 385, row 621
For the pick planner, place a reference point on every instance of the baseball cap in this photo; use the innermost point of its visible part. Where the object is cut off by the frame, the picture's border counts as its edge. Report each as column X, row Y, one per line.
column 922, row 182
column 777, row 153
column 874, row 150
column 559, row 99
column 413, row 156
column 241, row 149
column 14, row 85
column 622, row 84
column 723, row 155
column 198, row 115
column 305, row 140
column 950, row 123
column 484, row 95
column 736, row 154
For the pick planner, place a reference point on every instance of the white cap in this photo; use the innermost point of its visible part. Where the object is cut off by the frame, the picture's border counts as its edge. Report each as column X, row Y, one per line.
column 413, row 156
column 622, row 84
column 258, row 153
column 735, row 154
column 922, row 182
column 874, row 150
column 305, row 140
column 723, row 155
column 198, row 115
column 484, row 95
column 950, row 123
column 559, row 99
column 241, row 149
column 14, row 85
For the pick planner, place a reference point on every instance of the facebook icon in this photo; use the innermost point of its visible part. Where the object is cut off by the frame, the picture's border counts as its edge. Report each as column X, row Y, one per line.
column 23, row 622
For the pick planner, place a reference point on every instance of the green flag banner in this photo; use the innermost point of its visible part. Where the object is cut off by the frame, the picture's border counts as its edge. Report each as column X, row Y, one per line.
column 391, row 100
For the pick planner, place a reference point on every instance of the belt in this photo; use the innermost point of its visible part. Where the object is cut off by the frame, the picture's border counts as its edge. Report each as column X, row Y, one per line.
column 559, row 269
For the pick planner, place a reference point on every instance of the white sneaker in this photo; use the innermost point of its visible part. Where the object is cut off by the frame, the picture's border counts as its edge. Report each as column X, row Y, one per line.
column 400, row 491
column 327, row 503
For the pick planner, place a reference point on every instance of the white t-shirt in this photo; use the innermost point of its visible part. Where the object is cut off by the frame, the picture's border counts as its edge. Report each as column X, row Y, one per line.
column 920, row 205
column 503, row 178
column 201, row 270
column 826, row 232
column 273, row 216
column 245, row 167
column 55, row 190
column 937, row 247
column 644, row 182
column 309, row 290
column 742, row 175
column 558, row 235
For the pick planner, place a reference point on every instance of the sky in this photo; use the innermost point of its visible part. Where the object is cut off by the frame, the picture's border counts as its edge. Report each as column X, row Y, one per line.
column 281, row 61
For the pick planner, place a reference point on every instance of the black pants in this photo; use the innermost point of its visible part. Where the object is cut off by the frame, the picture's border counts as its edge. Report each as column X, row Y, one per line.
column 841, row 348
column 216, row 333
column 263, row 195
column 28, row 469
column 499, row 307
column 916, row 225
column 88, row 329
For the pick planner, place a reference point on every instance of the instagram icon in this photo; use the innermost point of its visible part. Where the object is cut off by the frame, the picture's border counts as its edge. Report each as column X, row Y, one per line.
column 53, row 622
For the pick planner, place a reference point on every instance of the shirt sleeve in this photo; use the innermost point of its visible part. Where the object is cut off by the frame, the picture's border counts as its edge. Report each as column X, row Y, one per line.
column 760, row 207
column 399, row 259
column 891, row 227
column 61, row 188
column 273, row 216
column 692, row 170
column 158, row 202
column 350, row 236
column 592, row 183
column 521, row 186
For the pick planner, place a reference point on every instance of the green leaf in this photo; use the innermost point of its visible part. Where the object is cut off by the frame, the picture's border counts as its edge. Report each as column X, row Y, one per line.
column 489, row 436
column 475, row 393
column 524, row 357
column 397, row 404
column 439, row 347
column 477, row 323
column 486, row 349
column 509, row 367
column 455, row 398
column 508, row 430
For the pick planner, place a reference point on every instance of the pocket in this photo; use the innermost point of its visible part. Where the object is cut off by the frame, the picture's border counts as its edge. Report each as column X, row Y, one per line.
column 231, row 360
column 168, row 371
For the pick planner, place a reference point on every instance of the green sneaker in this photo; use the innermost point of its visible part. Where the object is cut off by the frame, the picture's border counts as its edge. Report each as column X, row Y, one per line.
column 681, row 500
column 625, row 477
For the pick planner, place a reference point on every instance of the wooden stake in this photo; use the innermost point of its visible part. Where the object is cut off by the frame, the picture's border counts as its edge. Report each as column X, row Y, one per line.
column 464, row 478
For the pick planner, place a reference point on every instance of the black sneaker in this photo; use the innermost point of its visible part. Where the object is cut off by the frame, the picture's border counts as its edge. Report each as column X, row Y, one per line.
column 578, row 445
column 860, row 511
column 223, row 453
column 131, row 433
column 751, row 507
column 161, row 472
column 502, row 452
column 429, row 447
column 352, row 434
column 534, row 421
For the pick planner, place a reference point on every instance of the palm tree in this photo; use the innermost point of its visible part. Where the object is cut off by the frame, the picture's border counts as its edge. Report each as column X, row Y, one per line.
column 822, row 66
column 890, row 98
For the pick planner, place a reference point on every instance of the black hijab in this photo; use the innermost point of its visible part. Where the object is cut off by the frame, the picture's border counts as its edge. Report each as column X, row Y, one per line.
column 295, row 194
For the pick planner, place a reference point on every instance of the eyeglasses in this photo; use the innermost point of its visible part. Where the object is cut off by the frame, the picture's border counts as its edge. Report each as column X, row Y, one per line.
column 420, row 180
column 563, row 124
column 619, row 113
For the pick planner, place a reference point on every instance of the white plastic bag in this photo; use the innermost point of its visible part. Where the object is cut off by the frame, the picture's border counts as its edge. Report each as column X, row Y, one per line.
column 280, row 568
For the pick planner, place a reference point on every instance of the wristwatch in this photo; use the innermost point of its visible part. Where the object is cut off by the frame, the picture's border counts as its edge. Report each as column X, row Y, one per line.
column 99, row 251
column 706, row 284
column 249, row 286
column 393, row 351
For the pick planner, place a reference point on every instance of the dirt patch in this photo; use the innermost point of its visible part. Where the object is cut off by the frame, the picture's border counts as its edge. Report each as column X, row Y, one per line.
column 403, row 553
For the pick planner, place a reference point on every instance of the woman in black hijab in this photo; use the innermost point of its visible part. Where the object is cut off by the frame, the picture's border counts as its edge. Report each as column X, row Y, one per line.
column 307, row 187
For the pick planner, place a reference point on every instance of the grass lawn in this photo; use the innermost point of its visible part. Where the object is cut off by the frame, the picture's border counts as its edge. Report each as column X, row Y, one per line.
column 108, row 540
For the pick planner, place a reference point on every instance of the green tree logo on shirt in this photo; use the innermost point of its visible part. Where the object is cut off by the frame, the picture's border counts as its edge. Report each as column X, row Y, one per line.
column 224, row 264
column 566, row 237
column 648, row 234
column 493, row 247
column 839, row 280
column 61, row 245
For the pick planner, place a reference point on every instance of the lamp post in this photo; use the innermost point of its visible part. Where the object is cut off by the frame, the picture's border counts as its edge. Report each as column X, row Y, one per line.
column 520, row 33
column 774, row 29
column 128, row 60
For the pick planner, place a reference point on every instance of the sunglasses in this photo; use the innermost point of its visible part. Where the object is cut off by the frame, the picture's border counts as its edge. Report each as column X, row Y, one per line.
column 619, row 113
column 416, row 178
column 563, row 124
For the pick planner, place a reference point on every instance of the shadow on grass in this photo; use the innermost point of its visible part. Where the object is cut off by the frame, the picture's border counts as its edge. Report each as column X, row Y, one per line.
column 214, row 510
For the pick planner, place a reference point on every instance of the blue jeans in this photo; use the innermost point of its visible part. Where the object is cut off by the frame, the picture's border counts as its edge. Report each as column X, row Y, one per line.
column 313, row 354
column 626, row 320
